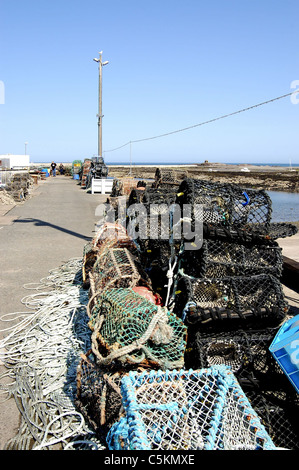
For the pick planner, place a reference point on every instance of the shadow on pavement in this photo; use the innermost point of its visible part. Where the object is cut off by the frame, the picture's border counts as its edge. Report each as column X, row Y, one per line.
column 42, row 223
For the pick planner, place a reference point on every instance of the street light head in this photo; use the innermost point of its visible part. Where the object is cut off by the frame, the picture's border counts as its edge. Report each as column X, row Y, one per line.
column 96, row 60
column 105, row 63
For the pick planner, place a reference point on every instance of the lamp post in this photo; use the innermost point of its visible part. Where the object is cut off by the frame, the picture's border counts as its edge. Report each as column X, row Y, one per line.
column 26, row 143
column 99, row 115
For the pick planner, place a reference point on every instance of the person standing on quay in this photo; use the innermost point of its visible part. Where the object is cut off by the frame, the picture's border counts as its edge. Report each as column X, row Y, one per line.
column 53, row 168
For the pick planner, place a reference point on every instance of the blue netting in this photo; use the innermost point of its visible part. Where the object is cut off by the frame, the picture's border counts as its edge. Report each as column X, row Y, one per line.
column 186, row 410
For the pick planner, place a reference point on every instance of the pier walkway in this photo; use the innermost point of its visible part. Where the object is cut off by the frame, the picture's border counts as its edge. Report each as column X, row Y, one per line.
column 50, row 228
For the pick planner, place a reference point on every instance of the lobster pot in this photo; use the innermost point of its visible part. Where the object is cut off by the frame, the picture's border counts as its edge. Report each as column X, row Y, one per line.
column 109, row 235
column 278, row 409
column 128, row 329
column 89, row 258
column 168, row 177
column 98, row 394
column 85, row 172
column 228, row 301
column 160, row 196
column 225, row 204
column 135, row 196
column 217, row 258
column 187, row 410
column 123, row 186
column 155, row 256
column 151, row 229
column 245, row 351
column 110, row 232
column 116, row 268
column 254, row 234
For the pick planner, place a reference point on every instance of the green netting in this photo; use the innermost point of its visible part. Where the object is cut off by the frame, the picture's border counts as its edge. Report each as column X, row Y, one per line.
column 130, row 329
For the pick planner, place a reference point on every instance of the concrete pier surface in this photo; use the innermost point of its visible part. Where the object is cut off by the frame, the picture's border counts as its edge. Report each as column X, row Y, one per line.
column 50, row 228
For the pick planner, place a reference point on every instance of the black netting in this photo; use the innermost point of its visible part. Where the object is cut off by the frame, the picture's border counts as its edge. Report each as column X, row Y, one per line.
column 257, row 299
column 226, row 204
column 257, row 233
column 265, row 385
column 218, row 258
column 278, row 410
column 168, row 177
column 98, row 394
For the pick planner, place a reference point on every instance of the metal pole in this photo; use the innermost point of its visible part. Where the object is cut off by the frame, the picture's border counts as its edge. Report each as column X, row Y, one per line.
column 100, row 116
column 100, row 136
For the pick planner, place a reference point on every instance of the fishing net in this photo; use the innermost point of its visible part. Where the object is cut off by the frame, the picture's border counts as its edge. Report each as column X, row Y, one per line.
column 218, row 258
column 168, row 177
column 226, row 204
column 109, row 235
column 257, row 234
column 124, row 186
column 256, row 299
column 85, row 174
column 186, row 410
column 116, row 267
column 247, row 354
column 128, row 329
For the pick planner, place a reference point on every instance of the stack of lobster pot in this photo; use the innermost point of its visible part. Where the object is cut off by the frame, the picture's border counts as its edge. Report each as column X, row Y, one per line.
column 149, row 224
column 228, row 288
column 130, row 329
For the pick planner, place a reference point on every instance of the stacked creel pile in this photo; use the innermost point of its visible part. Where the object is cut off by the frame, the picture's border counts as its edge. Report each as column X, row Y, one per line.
column 229, row 293
column 19, row 186
column 228, row 290
column 85, row 173
column 130, row 330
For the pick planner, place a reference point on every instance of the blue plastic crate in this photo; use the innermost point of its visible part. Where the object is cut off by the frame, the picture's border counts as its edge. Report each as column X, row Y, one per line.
column 285, row 350
column 186, row 410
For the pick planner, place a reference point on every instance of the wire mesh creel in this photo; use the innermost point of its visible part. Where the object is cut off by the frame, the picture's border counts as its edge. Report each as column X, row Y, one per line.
column 243, row 300
column 116, row 267
column 167, row 177
column 98, row 393
column 186, row 410
column 226, row 204
column 129, row 330
column 109, row 236
column 218, row 258
column 257, row 234
column 267, row 388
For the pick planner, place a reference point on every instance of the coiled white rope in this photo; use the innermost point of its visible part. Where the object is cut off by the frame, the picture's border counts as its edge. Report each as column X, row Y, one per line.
column 41, row 351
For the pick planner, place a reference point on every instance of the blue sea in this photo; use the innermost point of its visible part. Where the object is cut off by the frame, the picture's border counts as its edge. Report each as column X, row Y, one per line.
column 293, row 165
column 285, row 206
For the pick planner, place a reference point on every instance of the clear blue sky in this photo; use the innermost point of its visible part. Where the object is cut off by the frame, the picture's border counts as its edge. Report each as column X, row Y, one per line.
column 172, row 64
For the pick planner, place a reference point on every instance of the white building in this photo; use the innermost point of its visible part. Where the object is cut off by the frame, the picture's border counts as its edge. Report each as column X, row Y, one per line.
column 9, row 161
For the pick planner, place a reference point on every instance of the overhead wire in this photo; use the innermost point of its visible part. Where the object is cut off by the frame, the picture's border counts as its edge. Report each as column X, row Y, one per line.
column 224, row 116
